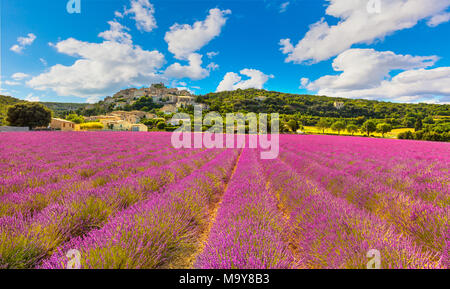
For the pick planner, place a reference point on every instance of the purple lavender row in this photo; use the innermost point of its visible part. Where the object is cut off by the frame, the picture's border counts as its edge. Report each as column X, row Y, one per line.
column 423, row 221
column 156, row 232
column 32, row 199
column 84, row 210
column 417, row 168
column 248, row 231
column 328, row 232
column 51, row 169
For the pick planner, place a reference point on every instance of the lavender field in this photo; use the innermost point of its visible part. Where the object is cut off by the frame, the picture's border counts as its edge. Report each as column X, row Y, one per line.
column 130, row 200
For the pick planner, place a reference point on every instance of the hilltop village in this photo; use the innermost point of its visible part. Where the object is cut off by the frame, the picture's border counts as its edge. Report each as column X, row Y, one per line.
column 129, row 109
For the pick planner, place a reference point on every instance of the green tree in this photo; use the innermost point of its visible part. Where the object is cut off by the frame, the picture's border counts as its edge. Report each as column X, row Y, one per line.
column 293, row 125
column 338, row 126
column 145, row 103
column 29, row 114
column 418, row 125
column 161, row 125
column 409, row 122
column 323, row 125
column 73, row 117
column 369, row 126
column 428, row 120
column 383, row 128
column 352, row 128
column 405, row 135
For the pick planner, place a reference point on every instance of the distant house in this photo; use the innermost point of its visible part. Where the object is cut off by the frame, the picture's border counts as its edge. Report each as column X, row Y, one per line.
column 134, row 116
column 168, row 109
column 102, row 118
column 119, row 125
column 123, row 125
column 62, row 124
column 185, row 100
column 339, row 104
column 139, row 127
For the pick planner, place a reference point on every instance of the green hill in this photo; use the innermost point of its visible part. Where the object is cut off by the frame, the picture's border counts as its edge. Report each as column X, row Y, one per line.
column 426, row 121
column 61, row 109
column 255, row 100
column 5, row 101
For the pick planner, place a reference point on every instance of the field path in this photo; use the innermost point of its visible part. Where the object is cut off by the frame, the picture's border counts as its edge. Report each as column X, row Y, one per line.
column 214, row 208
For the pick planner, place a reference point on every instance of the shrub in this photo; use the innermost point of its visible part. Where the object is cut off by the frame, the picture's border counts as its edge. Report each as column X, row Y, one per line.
column 91, row 126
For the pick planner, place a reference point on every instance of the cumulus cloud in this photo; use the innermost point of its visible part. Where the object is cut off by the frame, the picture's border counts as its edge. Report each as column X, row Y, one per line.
column 101, row 68
column 212, row 54
column 365, row 73
column 23, row 42
column 19, row 76
column 194, row 70
column 358, row 25
column 185, row 39
column 142, row 12
column 117, row 33
column 438, row 19
column 212, row 66
column 233, row 81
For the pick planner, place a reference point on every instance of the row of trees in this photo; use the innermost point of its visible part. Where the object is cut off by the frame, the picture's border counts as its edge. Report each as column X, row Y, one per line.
column 368, row 127
column 426, row 134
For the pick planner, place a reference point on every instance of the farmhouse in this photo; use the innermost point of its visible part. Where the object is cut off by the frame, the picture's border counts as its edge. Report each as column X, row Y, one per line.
column 62, row 124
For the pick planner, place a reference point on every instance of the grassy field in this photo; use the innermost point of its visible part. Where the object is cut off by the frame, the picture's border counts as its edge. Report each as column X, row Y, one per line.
column 393, row 134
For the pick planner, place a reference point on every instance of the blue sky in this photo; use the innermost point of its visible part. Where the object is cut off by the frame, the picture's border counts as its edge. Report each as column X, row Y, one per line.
column 395, row 50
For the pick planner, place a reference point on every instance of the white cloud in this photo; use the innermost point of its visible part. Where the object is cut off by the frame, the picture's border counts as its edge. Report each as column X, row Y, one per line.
column 194, row 70
column 283, row 7
column 357, row 25
column 185, row 39
column 143, row 12
column 373, row 81
column 32, row 98
column 212, row 54
column 28, row 40
column 93, row 99
column 116, row 33
column 212, row 66
column 16, row 48
column 11, row 83
column 43, row 61
column 438, row 19
column 101, row 68
column 233, row 81
column 304, row 82
column 19, row 76
column 23, row 42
